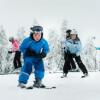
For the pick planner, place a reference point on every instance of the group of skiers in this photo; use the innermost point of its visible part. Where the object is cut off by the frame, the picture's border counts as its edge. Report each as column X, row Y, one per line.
column 35, row 48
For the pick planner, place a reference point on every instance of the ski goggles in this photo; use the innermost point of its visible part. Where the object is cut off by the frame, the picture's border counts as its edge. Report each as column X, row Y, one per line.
column 37, row 32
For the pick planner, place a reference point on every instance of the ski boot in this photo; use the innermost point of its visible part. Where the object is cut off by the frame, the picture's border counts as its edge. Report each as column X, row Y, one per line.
column 21, row 85
column 64, row 75
column 38, row 84
column 85, row 75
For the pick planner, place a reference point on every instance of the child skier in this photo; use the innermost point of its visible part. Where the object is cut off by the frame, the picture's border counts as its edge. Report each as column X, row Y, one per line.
column 73, row 49
column 15, row 49
column 72, row 63
column 34, row 49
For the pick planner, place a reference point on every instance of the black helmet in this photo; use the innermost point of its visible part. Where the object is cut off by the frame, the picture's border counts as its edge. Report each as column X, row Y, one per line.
column 68, row 31
column 11, row 39
column 36, row 28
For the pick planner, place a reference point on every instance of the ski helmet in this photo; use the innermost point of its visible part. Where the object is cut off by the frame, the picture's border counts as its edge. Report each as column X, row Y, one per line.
column 11, row 39
column 68, row 31
column 74, row 32
column 36, row 29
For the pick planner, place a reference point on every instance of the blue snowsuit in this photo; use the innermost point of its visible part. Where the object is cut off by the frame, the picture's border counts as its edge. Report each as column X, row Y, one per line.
column 38, row 47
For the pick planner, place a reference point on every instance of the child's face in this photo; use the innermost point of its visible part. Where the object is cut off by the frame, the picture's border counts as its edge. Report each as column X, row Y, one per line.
column 37, row 36
column 73, row 36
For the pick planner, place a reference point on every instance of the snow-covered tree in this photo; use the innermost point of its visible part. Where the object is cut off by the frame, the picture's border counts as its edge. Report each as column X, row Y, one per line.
column 55, row 51
column 57, row 43
column 64, row 27
column 21, row 34
column 5, row 63
column 3, row 37
column 62, row 39
column 89, row 54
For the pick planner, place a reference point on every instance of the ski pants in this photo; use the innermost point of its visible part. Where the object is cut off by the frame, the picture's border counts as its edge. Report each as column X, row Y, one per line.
column 67, row 66
column 72, row 63
column 17, row 60
column 27, row 69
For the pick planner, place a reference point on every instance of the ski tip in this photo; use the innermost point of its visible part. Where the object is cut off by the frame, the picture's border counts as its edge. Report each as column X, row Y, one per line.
column 54, row 87
column 31, row 87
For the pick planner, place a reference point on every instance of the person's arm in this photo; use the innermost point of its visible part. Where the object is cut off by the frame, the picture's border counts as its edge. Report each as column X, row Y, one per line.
column 15, row 45
column 79, row 48
column 68, row 44
column 24, row 45
column 44, row 50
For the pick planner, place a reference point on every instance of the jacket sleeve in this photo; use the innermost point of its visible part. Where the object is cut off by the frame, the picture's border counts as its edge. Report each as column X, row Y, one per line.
column 24, row 45
column 79, row 48
column 15, row 46
column 67, row 46
column 45, row 48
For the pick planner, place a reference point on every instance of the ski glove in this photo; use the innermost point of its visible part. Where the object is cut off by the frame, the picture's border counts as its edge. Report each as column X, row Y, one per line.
column 30, row 53
column 42, row 55
column 10, row 52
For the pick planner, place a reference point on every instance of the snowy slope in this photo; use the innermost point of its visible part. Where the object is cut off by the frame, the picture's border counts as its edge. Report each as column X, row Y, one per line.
column 71, row 88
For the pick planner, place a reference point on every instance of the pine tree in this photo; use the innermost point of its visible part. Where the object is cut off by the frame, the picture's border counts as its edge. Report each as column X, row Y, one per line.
column 21, row 34
column 89, row 55
column 4, row 45
column 64, row 27
column 54, row 55
column 57, row 43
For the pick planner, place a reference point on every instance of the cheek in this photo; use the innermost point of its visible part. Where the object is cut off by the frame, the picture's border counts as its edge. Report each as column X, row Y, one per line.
column 39, row 36
column 74, row 36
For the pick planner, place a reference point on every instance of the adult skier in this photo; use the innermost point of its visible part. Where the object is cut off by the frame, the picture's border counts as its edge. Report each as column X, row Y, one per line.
column 72, row 63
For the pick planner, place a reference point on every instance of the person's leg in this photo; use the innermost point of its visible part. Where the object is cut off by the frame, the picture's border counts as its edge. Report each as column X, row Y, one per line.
column 15, row 61
column 39, row 73
column 39, row 69
column 73, row 66
column 19, row 59
column 67, row 66
column 81, row 65
column 26, row 70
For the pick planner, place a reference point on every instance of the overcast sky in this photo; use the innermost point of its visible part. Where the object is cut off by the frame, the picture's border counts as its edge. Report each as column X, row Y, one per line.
column 83, row 15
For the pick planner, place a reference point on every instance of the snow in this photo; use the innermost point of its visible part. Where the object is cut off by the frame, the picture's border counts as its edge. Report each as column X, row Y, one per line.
column 71, row 88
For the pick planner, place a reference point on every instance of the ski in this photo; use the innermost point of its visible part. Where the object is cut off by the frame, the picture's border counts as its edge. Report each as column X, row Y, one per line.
column 63, row 76
column 84, row 76
column 46, row 87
